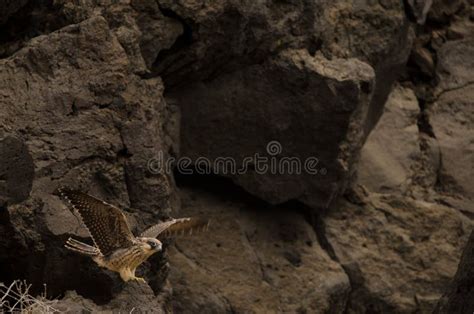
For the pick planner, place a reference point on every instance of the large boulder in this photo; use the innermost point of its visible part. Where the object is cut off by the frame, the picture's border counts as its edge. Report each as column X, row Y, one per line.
column 295, row 104
column 312, row 76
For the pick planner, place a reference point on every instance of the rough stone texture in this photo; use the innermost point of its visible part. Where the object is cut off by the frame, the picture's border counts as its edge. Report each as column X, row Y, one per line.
column 392, row 149
column 455, row 64
column 440, row 73
column 254, row 259
column 459, row 297
column 71, row 100
column 16, row 171
column 141, row 28
column 74, row 303
column 442, row 11
column 452, row 117
column 406, row 274
column 295, row 99
column 274, row 84
column 211, row 45
column 139, row 25
column 400, row 254
column 134, row 298
column 81, row 104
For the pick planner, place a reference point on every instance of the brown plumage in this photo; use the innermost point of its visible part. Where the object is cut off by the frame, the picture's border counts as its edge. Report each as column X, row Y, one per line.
column 115, row 246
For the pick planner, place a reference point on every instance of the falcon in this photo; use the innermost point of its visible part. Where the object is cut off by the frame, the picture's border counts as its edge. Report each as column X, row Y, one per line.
column 115, row 247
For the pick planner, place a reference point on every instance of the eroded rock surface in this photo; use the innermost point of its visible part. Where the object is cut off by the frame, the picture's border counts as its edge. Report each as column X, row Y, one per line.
column 269, row 80
column 389, row 156
column 82, row 119
column 295, row 98
column 135, row 297
column 253, row 259
column 16, row 171
column 436, row 152
column 399, row 254
column 452, row 116
column 82, row 104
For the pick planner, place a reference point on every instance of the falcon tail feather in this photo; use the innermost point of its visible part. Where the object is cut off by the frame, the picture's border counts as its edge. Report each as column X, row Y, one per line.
column 80, row 247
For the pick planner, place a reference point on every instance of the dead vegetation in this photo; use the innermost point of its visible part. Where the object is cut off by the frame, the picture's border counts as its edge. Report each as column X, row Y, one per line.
column 16, row 298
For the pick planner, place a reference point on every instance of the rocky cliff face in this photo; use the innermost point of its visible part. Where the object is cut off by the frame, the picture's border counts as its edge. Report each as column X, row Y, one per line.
column 92, row 91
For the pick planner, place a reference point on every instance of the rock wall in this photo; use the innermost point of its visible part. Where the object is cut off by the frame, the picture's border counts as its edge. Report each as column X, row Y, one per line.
column 313, row 79
column 431, row 162
column 74, row 112
column 91, row 91
column 255, row 259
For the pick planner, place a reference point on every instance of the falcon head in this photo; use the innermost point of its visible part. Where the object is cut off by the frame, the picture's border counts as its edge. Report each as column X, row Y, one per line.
column 150, row 245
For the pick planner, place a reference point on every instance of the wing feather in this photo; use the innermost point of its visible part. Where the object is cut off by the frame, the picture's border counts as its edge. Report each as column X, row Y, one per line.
column 107, row 225
column 175, row 227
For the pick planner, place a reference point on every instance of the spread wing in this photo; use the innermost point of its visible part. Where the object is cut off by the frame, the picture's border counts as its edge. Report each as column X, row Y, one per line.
column 106, row 224
column 176, row 227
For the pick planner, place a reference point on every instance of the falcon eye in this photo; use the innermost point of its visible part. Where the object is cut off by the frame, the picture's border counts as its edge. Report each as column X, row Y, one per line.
column 152, row 244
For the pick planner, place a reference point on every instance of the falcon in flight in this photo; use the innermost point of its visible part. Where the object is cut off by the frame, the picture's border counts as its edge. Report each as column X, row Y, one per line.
column 115, row 247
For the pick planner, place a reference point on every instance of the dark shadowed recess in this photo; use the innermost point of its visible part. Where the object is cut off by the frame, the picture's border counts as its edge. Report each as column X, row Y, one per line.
column 166, row 57
column 182, row 64
column 221, row 186
column 424, row 124
column 35, row 18
column 227, row 190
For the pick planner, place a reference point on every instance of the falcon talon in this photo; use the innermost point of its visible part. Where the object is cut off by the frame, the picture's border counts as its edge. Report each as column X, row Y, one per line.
column 115, row 247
